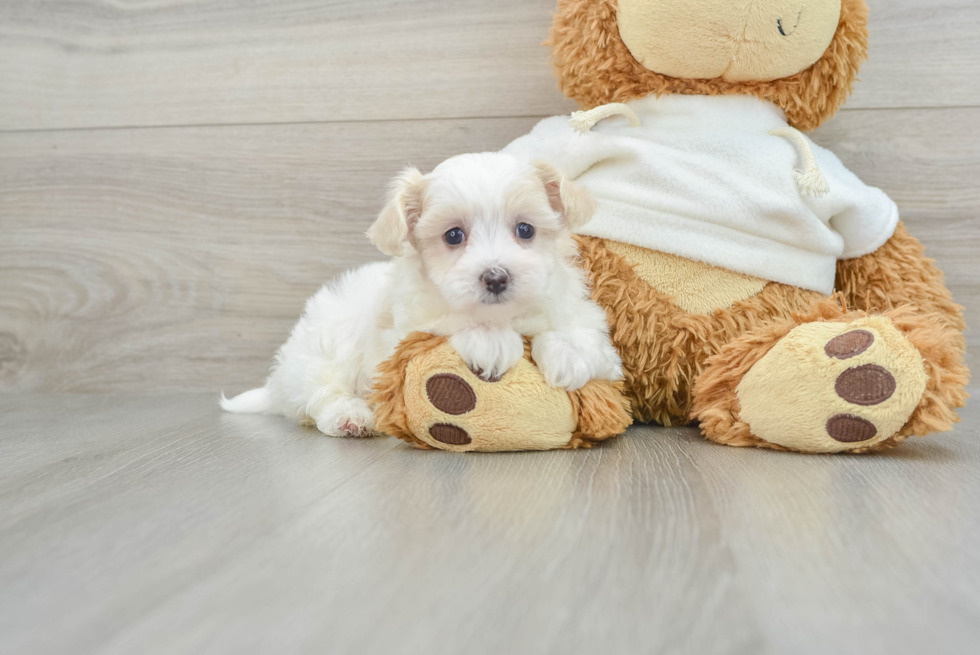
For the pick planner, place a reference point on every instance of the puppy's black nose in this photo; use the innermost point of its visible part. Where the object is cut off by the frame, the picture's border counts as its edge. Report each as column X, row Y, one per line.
column 495, row 280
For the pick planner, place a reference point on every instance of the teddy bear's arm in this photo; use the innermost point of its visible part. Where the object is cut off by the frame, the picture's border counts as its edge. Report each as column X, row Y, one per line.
column 898, row 274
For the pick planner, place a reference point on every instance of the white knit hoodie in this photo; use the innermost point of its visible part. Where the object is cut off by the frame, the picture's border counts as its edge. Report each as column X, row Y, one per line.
column 702, row 177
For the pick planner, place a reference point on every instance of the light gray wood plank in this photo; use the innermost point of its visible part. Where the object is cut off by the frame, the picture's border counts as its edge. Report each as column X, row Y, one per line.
column 100, row 64
column 160, row 525
column 178, row 259
column 923, row 53
column 69, row 64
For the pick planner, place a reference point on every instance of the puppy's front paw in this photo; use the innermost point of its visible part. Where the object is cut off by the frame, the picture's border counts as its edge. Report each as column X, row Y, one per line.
column 560, row 362
column 489, row 353
column 346, row 417
column 570, row 360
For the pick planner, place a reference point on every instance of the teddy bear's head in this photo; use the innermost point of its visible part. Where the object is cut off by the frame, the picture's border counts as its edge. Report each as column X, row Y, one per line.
column 803, row 55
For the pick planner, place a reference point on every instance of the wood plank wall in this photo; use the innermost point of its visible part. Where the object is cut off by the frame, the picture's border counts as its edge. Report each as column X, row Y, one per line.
column 177, row 177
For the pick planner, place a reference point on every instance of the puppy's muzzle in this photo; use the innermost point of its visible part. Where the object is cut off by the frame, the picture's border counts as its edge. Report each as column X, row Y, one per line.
column 495, row 280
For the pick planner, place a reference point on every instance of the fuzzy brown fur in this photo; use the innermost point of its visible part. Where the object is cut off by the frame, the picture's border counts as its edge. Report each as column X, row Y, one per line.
column 601, row 409
column 717, row 406
column 900, row 274
column 603, row 412
column 664, row 348
column 388, row 396
column 594, row 67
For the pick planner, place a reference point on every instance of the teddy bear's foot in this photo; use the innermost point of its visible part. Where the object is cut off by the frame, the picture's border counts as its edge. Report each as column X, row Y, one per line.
column 831, row 387
column 844, row 382
column 427, row 396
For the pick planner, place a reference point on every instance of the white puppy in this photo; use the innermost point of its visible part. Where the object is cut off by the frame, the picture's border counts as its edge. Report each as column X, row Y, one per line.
column 482, row 254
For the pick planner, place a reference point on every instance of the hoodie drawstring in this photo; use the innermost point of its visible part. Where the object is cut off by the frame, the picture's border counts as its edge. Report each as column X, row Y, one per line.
column 583, row 121
column 811, row 180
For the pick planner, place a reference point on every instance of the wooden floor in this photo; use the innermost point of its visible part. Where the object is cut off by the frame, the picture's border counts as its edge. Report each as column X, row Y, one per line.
column 160, row 525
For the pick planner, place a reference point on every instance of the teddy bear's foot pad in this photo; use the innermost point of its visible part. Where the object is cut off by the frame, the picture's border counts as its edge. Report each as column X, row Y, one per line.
column 428, row 396
column 833, row 386
column 451, row 394
column 850, row 344
column 451, row 408
column 864, row 385
column 847, row 428
column 451, row 435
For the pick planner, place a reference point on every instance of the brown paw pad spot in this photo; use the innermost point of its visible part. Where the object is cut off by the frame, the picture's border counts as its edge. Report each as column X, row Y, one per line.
column 847, row 428
column 849, row 344
column 451, row 394
column 866, row 385
column 450, row 434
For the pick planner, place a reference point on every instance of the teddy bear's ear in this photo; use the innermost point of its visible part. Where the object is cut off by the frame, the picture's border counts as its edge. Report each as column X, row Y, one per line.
column 393, row 228
column 568, row 199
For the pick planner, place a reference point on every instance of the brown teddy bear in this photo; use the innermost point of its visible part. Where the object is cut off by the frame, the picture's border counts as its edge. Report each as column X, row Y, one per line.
column 752, row 283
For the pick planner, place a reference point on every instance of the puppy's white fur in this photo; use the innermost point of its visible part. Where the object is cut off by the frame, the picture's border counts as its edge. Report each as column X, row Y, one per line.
column 324, row 371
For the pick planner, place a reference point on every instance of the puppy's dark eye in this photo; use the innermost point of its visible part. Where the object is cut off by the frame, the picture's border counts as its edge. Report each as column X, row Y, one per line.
column 455, row 236
column 525, row 231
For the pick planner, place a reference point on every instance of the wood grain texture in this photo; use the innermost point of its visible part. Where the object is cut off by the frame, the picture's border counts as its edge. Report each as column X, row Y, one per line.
column 178, row 259
column 160, row 525
column 96, row 64
column 69, row 64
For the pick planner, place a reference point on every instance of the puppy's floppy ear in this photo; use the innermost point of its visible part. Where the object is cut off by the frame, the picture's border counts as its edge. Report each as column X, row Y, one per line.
column 394, row 225
column 573, row 202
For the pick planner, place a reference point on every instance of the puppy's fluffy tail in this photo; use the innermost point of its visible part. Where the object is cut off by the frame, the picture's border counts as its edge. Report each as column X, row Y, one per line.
column 256, row 401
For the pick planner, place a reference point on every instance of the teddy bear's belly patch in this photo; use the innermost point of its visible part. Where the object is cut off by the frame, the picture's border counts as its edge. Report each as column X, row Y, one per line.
column 696, row 287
